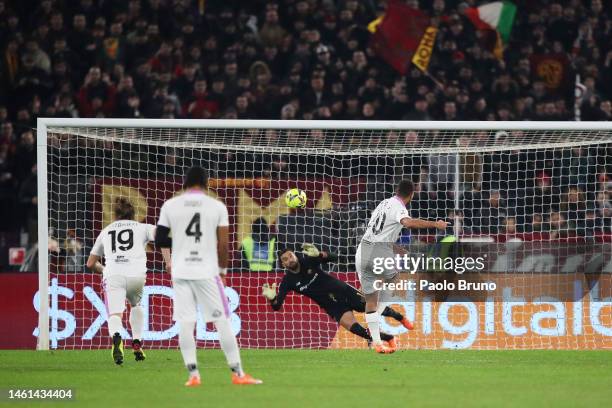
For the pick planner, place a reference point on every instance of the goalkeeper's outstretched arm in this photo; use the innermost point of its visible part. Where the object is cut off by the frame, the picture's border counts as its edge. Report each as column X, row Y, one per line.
column 276, row 299
column 317, row 256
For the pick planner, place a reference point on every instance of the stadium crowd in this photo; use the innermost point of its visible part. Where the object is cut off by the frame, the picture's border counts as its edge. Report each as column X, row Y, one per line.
column 286, row 59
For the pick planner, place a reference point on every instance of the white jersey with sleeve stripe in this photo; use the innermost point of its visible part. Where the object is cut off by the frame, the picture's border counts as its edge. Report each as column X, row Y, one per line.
column 122, row 244
column 193, row 218
column 385, row 223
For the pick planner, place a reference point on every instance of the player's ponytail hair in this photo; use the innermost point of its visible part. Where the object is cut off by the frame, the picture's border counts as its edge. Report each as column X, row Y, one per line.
column 123, row 208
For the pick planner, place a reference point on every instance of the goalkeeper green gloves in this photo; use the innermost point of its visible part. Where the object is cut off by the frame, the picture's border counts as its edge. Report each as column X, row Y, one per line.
column 269, row 291
column 310, row 250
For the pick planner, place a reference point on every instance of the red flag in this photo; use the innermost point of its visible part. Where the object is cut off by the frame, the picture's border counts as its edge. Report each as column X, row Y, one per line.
column 398, row 36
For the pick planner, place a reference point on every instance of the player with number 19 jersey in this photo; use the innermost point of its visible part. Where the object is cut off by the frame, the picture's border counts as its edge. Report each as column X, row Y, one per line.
column 122, row 244
column 193, row 218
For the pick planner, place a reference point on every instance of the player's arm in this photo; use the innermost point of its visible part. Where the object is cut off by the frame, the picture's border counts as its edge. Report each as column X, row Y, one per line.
column 151, row 229
column 223, row 248
column 417, row 223
column 93, row 263
column 162, row 238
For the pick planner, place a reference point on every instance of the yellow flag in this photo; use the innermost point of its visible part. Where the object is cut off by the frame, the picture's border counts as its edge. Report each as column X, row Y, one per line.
column 373, row 26
column 422, row 56
column 498, row 51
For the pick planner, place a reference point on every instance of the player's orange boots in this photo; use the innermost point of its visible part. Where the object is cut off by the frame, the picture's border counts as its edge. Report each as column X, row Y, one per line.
column 193, row 381
column 245, row 380
column 392, row 344
column 407, row 323
column 382, row 349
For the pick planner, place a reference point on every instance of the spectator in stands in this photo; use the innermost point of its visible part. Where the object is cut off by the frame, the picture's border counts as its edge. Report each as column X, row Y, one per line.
column 537, row 223
column 199, row 105
column 259, row 248
column 97, row 94
column 492, row 213
column 28, row 204
column 557, row 226
column 573, row 206
column 509, row 227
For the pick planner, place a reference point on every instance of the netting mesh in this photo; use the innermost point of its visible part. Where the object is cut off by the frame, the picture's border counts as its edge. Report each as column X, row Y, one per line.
column 529, row 185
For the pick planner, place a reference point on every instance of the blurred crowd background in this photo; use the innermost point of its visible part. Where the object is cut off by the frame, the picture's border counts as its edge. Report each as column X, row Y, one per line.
column 295, row 59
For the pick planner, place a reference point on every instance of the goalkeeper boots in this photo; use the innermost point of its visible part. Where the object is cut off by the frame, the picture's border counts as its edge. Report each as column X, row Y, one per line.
column 139, row 354
column 117, row 351
column 194, row 381
column 245, row 379
column 382, row 349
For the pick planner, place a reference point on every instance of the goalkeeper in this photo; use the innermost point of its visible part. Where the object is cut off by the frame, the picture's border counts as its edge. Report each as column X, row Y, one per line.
column 339, row 299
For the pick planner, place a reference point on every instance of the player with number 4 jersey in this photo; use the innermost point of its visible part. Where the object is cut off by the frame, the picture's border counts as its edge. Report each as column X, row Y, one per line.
column 196, row 255
column 122, row 244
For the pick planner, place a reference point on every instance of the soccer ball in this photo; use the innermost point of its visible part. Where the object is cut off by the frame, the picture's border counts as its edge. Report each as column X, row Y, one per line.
column 295, row 198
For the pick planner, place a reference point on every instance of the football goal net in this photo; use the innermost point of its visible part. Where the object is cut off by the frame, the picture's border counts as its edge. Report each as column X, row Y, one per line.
column 534, row 198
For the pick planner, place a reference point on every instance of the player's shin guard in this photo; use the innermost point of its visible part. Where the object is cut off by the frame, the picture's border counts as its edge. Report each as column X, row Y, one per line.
column 373, row 321
column 188, row 346
column 137, row 321
column 229, row 345
column 114, row 325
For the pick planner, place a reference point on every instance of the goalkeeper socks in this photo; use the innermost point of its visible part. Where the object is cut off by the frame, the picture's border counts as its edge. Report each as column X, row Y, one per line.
column 137, row 321
column 360, row 331
column 229, row 345
column 385, row 336
column 372, row 319
column 114, row 325
column 392, row 314
column 188, row 346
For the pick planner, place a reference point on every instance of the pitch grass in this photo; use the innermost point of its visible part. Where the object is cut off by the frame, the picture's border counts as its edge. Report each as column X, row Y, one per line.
column 323, row 378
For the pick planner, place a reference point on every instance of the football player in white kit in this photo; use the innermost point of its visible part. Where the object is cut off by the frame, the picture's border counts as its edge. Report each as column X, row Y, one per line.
column 122, row 244
column 384, row 229
column 200, row 251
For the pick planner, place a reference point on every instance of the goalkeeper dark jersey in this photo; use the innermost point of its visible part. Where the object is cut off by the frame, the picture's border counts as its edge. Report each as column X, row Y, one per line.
column 333, row 295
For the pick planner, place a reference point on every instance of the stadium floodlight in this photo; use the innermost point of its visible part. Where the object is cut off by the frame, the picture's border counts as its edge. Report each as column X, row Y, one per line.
column 345, row 168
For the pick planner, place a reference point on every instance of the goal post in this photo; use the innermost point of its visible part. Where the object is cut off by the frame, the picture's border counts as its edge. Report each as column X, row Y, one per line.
column 485, row 178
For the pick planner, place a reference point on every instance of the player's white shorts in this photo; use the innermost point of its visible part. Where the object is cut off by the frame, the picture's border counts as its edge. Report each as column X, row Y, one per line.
column 208, row 294
column 364, row 264
column 117, row 288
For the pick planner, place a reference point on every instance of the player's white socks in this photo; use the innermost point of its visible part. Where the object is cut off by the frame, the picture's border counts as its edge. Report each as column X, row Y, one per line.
column 137, row 321
column 188, row 346
column 373, row 322
column 229, row 345
column 114, row 325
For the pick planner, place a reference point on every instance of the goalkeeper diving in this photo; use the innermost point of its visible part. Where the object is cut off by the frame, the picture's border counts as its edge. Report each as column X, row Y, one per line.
column 339, row 299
